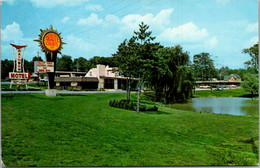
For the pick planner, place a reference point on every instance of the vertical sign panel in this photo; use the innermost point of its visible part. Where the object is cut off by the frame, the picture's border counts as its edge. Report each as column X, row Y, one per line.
column 19, row 60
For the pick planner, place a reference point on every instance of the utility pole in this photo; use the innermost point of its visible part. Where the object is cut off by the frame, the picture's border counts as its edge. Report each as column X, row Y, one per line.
column 36, row 68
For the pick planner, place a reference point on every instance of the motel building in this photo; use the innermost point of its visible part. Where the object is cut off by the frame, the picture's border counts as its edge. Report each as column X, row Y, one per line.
column 102, row 78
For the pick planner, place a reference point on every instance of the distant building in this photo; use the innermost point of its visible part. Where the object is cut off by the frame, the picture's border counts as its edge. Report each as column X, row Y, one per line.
column 74, row 80
column 108, row 78
column 232, row 78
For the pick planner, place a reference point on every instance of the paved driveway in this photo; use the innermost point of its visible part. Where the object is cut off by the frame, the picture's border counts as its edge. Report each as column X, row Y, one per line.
column 62, row 92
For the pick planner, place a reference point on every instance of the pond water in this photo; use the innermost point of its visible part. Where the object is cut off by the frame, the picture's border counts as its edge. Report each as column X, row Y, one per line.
column 223, row 105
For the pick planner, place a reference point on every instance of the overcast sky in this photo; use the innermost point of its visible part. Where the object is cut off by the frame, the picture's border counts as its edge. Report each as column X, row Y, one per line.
column 90, row 28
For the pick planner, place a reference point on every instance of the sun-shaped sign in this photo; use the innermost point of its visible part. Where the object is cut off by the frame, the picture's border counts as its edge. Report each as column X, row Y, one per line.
column 50, row 40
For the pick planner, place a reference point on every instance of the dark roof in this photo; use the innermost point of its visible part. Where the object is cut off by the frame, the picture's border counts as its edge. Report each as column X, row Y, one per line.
column 76, row 79
column 229, row 76
column 64, row 72
column 69, row 72
column 117, row 77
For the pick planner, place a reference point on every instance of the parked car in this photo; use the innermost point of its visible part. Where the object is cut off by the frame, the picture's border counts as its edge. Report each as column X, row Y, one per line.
column 205, row 87
column 44, row 80
column 232, row 86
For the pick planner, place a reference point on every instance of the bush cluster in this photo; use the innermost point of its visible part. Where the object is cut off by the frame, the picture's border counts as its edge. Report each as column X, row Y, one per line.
column 130, row 105
column 8, row 89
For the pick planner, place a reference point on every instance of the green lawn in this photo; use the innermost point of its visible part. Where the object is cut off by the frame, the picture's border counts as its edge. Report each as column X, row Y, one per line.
column 7, row 86
column 84, row 131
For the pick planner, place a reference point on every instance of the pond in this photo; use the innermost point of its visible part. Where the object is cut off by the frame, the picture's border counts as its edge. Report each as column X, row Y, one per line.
column 223, row 105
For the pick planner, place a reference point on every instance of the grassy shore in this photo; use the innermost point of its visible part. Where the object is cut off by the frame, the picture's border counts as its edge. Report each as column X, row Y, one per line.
column 223, row 93
column 84, row 131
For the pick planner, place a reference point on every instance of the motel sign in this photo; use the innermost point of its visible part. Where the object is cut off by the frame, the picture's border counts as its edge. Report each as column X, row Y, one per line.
column 18, row 76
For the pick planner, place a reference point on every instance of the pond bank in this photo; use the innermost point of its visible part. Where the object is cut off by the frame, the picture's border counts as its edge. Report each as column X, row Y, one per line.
column 223, row 93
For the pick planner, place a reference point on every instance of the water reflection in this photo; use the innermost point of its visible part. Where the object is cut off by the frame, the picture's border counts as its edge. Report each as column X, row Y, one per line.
column 223, row 105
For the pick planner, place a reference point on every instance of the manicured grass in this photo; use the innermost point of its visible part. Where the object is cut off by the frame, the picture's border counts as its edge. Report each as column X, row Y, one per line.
column 40, row 87
column 223, row 93
column 7, row 86
column 84, row 131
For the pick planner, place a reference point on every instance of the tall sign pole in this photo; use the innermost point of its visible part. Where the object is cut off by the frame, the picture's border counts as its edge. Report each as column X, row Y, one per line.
column 51, row 44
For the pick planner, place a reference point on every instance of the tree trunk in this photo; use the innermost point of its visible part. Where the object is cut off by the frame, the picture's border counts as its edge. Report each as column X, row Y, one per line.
column 138, row 96
column 127, row 89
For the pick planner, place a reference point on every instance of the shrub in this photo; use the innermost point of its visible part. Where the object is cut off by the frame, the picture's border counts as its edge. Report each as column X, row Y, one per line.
column 152, row 108
column 8, row 89
column 130, row 105
column 33, row 89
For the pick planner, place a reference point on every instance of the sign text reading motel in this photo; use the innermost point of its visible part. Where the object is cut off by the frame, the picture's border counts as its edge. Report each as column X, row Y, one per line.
column 16, row 75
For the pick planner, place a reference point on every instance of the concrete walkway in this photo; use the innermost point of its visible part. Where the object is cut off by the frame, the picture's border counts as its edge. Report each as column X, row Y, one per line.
column 61, row 92
column 85, row 92
column 2, row 164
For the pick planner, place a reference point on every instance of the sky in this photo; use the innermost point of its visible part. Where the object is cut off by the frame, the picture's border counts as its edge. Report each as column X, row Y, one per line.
column 223, row 28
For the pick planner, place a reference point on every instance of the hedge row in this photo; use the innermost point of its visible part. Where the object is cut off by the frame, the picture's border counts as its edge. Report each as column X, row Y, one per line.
column 130, row 105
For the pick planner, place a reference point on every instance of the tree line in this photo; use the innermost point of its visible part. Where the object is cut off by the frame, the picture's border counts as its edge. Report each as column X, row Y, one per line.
column 64, row 63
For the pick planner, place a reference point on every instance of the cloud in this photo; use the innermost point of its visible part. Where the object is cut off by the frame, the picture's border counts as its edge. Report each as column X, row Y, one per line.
column 157, row 22
column 94, row 8
column 65, row 19
column 161, row 24
column 11, row 32
column 52, row 3
column 92, row 20
column 251, row 28
column 10, row 2
column 188, row 32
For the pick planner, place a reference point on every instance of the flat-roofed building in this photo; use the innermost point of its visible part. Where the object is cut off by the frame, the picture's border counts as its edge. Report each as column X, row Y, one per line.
column 109, row 78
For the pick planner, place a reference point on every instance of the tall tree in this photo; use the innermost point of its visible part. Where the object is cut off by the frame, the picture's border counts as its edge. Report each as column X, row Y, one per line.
column 145, row 58
column 80, row 64
column 124, row 57
column 64, row 63
column 204, row 66
column 254, row 54
column 137, row 57
column 223, row 71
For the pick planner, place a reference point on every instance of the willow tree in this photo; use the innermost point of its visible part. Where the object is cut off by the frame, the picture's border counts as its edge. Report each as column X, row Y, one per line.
column 174, row 82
